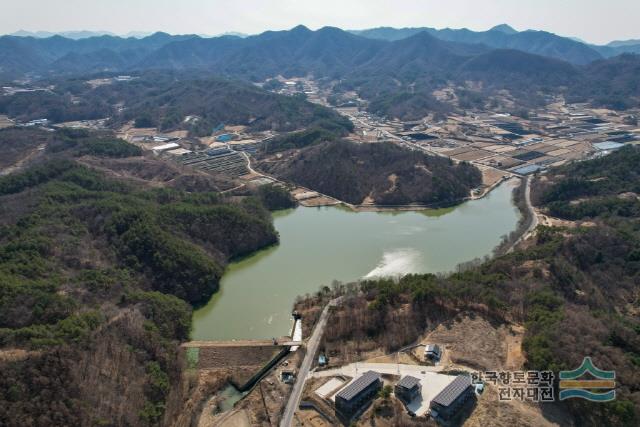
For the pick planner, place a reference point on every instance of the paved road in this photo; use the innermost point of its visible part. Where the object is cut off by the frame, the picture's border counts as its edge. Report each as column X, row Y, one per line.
column 355, row 369
column 532, row 213
column 312, row 348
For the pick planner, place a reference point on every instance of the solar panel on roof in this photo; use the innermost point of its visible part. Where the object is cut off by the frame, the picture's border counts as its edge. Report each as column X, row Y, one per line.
column 408, row 382
column 451, row 392
column 353, row 389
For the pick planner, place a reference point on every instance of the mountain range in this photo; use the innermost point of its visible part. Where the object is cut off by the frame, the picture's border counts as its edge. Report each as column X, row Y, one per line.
column 374, row 62
column 505, row 37
column 75, row 35
column 85, row 34
column 325, row 51
column 618, row 43
column 86, row 51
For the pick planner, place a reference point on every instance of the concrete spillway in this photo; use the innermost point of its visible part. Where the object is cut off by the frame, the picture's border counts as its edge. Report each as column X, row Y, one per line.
column 297, row 333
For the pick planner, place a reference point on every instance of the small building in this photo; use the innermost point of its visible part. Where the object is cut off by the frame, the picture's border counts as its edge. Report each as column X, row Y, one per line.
column 322, row 360
column 178, row 152
column 288, row 377
column 608, row 145
column 37, row 122
column 448, row 403
column 432, row 352
column 352, row 400
column 408, row 389
column 163, row 138
column 225, row 137
column 141, row 138
column 165, row 147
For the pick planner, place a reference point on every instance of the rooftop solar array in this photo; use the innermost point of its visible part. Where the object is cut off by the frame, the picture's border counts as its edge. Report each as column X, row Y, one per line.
column 451, row 392
column 408, row 382
column 353, row 389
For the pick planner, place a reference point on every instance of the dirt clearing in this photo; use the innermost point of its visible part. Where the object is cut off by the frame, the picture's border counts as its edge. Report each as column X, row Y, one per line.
column 491, row 411
column 474, row 342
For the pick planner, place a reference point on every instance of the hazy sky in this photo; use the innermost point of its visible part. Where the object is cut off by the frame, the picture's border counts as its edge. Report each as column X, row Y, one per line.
column 597, row 21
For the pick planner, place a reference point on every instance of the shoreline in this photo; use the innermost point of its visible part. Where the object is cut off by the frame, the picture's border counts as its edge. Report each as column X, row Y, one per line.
column 527, row 223
column 333, row 201
column 409, row 206
column 530, row 218
column 504, row 196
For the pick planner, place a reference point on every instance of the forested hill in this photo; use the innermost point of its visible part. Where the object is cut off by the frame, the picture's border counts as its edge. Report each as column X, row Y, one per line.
column 573, row 288
column 381, row 173
column 605, row 187
column 165, row 99
column 594, row 277
column 97, row 279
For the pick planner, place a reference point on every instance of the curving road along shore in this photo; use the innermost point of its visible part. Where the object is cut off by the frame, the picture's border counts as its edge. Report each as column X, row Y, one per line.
column 367, row 207
column 305, row 367
column 533, row 223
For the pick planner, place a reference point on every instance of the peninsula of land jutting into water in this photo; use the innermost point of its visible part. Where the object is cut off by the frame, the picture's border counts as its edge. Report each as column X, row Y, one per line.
column 319, row 245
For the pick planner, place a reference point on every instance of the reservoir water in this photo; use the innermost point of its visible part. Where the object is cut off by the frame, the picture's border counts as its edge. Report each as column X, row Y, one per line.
column 319, row 245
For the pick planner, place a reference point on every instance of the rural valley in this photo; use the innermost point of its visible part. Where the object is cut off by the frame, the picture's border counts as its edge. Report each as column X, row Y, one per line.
column 319, row 227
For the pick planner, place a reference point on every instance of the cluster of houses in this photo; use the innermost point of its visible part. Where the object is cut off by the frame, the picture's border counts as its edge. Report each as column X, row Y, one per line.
column 354, row 399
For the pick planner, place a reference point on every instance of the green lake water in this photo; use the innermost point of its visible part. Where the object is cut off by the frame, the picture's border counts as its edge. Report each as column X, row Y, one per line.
column 319, row 245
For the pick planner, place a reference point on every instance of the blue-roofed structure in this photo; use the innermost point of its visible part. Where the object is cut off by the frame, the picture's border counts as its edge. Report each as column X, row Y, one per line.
column 322, row 360
column 226, row 137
